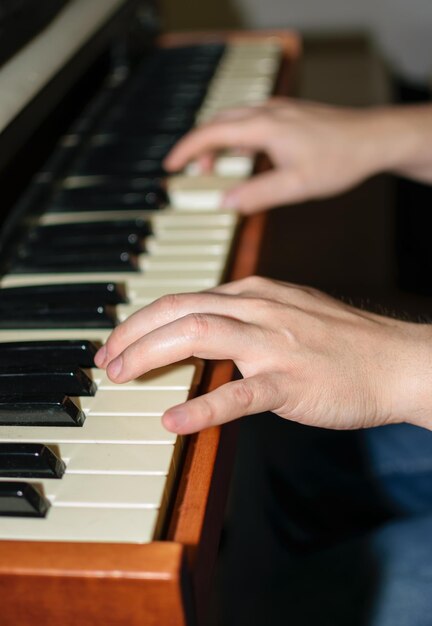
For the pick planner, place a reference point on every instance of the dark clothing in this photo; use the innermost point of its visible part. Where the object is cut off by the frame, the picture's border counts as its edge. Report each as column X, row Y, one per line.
column 329, row 528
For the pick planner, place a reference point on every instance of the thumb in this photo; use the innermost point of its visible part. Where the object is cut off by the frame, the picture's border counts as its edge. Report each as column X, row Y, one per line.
column 230, row 401
column 266, row 191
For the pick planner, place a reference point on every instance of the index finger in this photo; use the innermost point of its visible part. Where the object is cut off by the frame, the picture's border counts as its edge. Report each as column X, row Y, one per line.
column 164, row 311
column 246, row 133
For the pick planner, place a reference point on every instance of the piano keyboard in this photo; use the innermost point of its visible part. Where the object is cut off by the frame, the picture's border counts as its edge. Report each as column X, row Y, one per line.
column 120, row 464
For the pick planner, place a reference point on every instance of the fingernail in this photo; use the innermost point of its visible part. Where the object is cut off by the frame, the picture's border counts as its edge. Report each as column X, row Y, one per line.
column 115, row 367
column 100, row 356
column 175, row 418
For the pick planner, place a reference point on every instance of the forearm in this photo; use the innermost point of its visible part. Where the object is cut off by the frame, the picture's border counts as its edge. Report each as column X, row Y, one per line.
column 401, row 140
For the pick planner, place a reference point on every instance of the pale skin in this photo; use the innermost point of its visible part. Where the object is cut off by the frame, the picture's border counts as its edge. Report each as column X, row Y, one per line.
column 316, row 150
column 303, row 355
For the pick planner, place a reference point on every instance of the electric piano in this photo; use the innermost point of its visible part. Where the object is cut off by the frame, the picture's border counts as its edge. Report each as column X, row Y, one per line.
column 106, row 518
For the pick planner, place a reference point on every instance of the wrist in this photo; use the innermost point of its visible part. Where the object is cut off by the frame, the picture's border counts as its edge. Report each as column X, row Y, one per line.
column 410, row 391
column 400, row 139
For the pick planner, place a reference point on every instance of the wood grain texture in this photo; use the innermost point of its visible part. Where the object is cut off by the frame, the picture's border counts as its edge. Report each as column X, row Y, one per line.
column 91, row 584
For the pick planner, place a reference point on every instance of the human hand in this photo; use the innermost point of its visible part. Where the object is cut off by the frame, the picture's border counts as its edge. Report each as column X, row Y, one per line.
column 316, row 150
column 302, row 354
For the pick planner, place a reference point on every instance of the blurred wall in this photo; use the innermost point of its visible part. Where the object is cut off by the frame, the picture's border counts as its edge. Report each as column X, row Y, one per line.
column 192, row 14
column 401, row 28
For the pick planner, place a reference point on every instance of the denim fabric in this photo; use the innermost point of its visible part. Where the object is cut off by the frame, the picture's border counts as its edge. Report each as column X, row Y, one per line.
column 328, row 528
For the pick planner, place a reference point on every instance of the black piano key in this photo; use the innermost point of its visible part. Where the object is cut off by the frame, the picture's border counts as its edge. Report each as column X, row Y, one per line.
column 22, row 500
column 130, row 241
column 34, row 410
column 171, row 90
column 29, row 381
column 154, row 143
column 110, row 260
column 29, row 460
column 96, row 245
column 110, row 194
column 62, row 232
column 128, row 151
column 105, row 166
column 88, row 293
column 57, row 353
column 167, row 123
column 188, row 96
column 57, row 316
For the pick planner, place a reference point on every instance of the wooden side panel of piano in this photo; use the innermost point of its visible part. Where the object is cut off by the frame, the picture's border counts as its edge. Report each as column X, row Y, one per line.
column 164, row 582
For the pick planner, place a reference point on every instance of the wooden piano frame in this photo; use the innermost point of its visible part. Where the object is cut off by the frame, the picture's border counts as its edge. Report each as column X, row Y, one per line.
column 165, row 582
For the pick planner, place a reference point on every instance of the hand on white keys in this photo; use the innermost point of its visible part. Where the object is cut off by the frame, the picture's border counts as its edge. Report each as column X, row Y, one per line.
column 303, row 355
column 316, row 150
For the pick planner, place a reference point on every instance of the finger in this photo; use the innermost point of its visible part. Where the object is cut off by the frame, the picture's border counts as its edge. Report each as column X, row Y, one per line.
column 204, row 163
column 166, row 310
column 236, row 399
column 266, row 191
column 201, row 335
column 247, row 133
column 236, row 113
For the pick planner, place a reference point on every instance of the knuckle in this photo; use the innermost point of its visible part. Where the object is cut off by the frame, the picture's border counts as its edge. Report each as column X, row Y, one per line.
column 169, row 302
column 207, row 412
column 197, row 325
column 260, row 281
column 254, row 283
column 243, row 395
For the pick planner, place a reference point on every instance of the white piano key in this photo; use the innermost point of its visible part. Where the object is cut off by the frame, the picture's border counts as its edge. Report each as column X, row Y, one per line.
column 234, row 83
column 184, row 220
column 97, row 335
column 181, row 376
column 84, row 524
column 133, row 459
column 113, row 491
column 144, row 492
column 96, row 429
column 233, row 99
column 119, row 454
column 135, row 281
column 179, row 263
column 196, row 276
column 234, row 165
column 202, row 192
column 132, row 401
column 209, row 274
column 175, row 234
column 167, row 215
column 228, row 164
column 264, row 46
column 189, row 247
